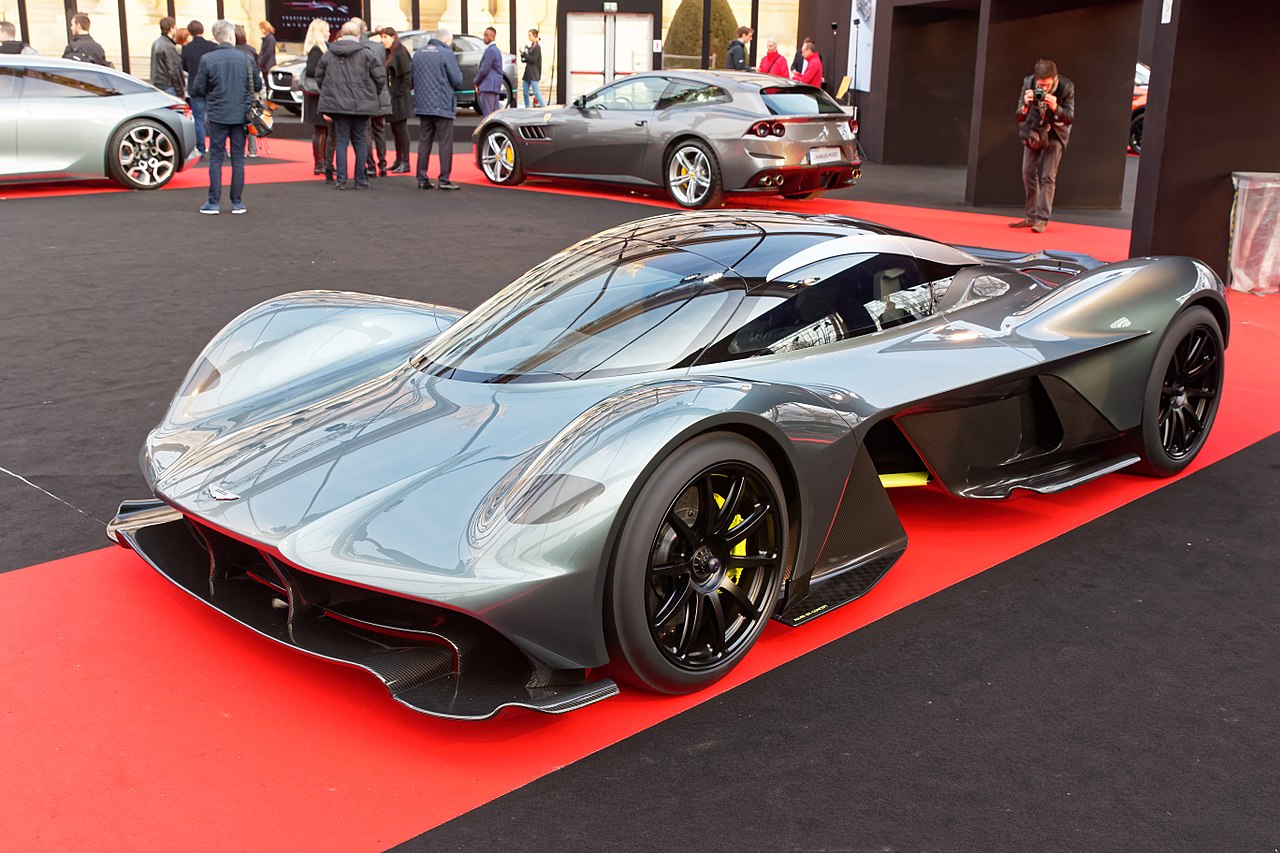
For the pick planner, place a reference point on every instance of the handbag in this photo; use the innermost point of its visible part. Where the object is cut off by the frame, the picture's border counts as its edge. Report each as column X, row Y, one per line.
column 310, row 85
column 259, row 121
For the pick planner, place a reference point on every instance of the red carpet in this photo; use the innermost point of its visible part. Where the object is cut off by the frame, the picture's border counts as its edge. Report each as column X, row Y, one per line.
column 136, row 718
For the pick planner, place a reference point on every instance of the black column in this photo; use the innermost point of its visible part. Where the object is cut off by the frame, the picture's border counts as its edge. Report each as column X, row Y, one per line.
column 124, row 37
column 220, row 10
column 69, row 8
column 755, row 37
column 465, row 23
column 22, row 21
column 171, row 9
column 706, row 33
column 1209, row 113
column 415, row 14
column 1095, row 45
column 515, row 45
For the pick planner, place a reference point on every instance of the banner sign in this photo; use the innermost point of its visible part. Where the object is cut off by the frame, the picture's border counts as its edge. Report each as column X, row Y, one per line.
column 292, row 17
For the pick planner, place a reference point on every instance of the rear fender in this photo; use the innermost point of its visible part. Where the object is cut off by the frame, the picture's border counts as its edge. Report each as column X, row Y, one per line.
column 1105, row 325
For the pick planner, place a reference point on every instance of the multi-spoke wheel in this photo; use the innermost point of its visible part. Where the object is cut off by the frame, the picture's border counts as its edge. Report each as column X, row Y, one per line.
column 142, row 155
column 693, row 175
column 1182, row 393
column 699, row 564
column 499, row 159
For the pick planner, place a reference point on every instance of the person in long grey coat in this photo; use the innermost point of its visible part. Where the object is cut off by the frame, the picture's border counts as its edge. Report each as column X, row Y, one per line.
column 351, row 80
column 435, row 77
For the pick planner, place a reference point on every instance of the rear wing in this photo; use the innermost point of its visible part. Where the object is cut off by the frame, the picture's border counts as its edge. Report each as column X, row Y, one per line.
column 1050, row 266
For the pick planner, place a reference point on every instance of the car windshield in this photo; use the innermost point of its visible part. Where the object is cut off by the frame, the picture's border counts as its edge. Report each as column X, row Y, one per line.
column 607, row 306
column 798, row 101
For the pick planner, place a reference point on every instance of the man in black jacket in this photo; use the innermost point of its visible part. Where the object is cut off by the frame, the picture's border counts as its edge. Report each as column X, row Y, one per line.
column 736, row 60
column 82, row 46
column 166, row 64
column 192, row 52
column 351, row 82
column 1045, row 113
column 226, row 82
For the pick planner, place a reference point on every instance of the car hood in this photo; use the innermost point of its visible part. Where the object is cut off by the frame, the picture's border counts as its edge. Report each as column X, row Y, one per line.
column 439, row 447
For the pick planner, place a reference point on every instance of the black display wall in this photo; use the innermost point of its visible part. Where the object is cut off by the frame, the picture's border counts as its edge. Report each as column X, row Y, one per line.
column 1211, row 110
column 929, row 90
column 1095, row 44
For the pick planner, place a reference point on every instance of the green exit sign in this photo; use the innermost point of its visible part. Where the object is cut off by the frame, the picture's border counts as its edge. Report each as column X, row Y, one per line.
column 611, row 7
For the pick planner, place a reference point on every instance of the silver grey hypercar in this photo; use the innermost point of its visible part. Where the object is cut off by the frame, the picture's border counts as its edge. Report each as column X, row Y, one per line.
column 67, row 120
column 649, row 445
column 698, row 134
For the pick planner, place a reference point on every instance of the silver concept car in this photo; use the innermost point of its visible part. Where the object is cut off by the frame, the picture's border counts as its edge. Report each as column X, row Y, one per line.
column 698, row 134
column 649, row 445
column 67, row 120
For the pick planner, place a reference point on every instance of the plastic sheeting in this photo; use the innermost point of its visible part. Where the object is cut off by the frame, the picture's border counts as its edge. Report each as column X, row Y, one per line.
column 1255, row 232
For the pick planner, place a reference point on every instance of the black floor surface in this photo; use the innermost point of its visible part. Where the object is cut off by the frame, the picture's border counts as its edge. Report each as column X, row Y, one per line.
column 1115, row 689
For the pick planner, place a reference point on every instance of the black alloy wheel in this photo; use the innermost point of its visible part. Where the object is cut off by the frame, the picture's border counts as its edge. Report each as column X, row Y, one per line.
column 691, row 599
column 1183, row 393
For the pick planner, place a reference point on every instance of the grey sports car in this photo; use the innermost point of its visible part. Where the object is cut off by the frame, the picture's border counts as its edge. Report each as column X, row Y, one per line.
column 649, row 445
column 65, row 120
column 698, row 134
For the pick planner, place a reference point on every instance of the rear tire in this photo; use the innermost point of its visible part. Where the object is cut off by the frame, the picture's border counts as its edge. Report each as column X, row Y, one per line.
column 1135, row 132
column 691, row 588
column 1182, row 394
column 142, row 155
column 692, row 175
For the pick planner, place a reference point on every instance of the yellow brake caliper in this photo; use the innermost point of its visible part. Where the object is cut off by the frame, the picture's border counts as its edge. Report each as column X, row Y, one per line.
column 739, row 550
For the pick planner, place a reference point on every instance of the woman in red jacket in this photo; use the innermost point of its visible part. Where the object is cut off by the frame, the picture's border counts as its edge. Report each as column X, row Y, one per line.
column 812, row 73
column 773, row 62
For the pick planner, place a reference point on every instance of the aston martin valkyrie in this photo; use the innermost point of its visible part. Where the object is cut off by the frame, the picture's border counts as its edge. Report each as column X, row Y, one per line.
column 698, row 134
column 649, row 445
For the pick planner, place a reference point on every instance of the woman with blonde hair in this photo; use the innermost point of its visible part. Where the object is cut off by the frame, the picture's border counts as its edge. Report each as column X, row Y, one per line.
column 322, row 137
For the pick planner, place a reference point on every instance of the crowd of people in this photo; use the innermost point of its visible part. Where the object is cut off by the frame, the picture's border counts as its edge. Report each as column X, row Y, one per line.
column 806, row 67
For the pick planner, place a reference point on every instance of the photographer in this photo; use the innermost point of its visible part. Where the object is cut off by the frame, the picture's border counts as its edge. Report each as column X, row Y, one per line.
column 1045, row 113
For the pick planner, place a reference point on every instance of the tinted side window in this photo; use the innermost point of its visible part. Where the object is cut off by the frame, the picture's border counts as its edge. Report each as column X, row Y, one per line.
column 833, row 300
column 637, row 94
column 688, row 92
column 9, row 81
column 67, row 83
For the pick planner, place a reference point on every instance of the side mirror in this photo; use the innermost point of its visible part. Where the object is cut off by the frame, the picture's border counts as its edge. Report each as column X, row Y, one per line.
column 580, row 102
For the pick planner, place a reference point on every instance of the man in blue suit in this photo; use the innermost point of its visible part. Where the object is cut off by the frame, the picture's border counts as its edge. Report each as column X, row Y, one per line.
column 435, row 77
column 489, row 74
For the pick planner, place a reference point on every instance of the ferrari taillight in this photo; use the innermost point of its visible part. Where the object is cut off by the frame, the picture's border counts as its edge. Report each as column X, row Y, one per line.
column 180, row 108
column 764, row 129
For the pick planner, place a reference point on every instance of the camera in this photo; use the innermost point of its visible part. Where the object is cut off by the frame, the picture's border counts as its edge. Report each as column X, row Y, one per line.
column 1040, row 93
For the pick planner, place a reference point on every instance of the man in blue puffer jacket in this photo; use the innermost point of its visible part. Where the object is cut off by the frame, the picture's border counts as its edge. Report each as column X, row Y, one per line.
column 435, row 77
column 226, row 81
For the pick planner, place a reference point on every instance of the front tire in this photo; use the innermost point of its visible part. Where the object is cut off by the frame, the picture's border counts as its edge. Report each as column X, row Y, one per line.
column 142, row 155
column 499, row 157
column 1182, row 393
column 692, row 176
column 698, row 566
column 1135, row 132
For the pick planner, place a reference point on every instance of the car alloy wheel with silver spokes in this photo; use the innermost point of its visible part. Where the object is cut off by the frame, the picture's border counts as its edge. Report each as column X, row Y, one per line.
column 146, row 155
column 689, row 176
column 499, row 159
